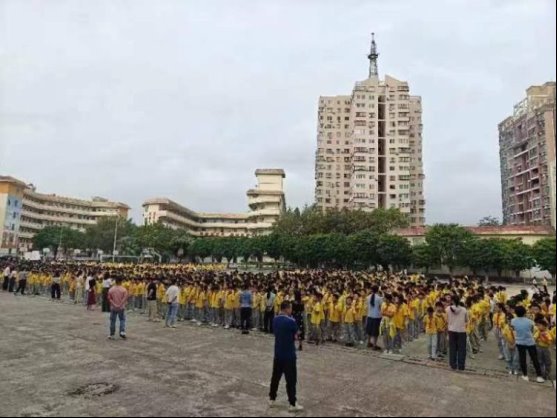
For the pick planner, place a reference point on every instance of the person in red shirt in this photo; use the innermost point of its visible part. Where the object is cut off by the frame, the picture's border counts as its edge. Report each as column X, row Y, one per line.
column 118, row 299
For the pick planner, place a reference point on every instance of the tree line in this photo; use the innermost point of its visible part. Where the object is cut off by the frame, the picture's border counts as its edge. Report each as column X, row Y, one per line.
column 311, row 238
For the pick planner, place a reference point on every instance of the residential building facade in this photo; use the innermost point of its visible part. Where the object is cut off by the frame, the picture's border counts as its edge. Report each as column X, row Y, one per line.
column 24, row 212
column 266, row 203
column 369, row 148
column 527, row 153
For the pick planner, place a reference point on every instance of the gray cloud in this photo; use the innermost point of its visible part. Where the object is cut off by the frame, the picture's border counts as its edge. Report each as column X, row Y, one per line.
column 185, row 99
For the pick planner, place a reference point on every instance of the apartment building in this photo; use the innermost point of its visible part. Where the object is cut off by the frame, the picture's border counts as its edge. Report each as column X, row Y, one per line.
column 527, row 153
column 266, row 203
column 24, row 212
column 369, row 147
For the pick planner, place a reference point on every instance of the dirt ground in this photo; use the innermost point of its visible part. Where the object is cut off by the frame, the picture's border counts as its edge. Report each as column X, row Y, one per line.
column 50, row 352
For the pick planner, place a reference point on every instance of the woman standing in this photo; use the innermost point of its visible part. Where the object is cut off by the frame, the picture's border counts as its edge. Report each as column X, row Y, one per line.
column 107, row 282
column 299, row 316
column 458, row 319
column 91, row 295
column 374, row 318
column 524, row 331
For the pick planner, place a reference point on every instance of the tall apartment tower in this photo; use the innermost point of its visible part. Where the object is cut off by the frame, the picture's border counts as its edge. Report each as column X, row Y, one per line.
column 369, row 147
column 527, row 151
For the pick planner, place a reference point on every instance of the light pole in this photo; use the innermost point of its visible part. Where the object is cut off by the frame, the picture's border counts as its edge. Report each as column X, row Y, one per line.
column 59, row 244
column 115, row 238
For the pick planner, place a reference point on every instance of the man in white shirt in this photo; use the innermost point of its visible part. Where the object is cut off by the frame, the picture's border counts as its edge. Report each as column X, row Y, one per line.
column 171, row 297
column 6, row 282
column 79, row 284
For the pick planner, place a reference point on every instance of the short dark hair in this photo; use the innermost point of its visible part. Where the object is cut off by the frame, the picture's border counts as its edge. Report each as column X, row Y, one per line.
column 520, row 311
column 285, row 305
column 119, row 279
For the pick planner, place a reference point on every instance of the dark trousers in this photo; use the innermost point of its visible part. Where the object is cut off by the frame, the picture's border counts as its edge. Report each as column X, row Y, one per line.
column 533, row 353
column 288, row 368
column 457, row 350
column 11, row 285
column 245, row 319
column 5, row 283
column 105, row 304
column 21, row 287
column 268, row 321
column 55, row 291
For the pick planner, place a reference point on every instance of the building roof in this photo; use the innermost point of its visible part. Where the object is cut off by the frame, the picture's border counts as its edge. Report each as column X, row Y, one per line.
column 487, row 230
column 197, row 215
column 74, row 201
column 270, row 171
column 254, row 192
column 12, row 180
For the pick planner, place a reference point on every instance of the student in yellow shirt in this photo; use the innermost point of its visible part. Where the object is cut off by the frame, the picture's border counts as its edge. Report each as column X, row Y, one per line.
column 430, row 326
column 348, row 319
column 335, row 313
column 388, row 330
column 544, row 340
column 399, row 320
column 229, row 301
column 317, row 318
column 237, row 316
column 509, row 347
column 201, row 306
column 442, row 329
column 499, row 319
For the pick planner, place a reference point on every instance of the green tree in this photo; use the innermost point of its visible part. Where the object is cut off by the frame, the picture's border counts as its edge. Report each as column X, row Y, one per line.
column 202, row 248
column 495, row 254
column 474, row 255
column 181, row 244
column 489, row 221
column 518, row 257
column 59, row 238
column 544, row 254
column 423, row 257
column 394, row 251
column 447, row 243
column 101, row 235
column 363, row 246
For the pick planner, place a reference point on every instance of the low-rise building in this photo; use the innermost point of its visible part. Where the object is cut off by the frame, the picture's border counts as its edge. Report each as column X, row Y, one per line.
column 266, row 203
column 529, row 234
column 24, row 212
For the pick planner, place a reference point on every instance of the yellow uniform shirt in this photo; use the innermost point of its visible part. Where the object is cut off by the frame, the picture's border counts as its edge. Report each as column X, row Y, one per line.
column 430, row 325
column 349, row 315
column 317, row 315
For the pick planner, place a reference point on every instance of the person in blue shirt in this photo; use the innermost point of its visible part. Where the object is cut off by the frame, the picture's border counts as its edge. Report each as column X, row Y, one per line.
column 286, row 331
column 524, row 333
column 246, row 306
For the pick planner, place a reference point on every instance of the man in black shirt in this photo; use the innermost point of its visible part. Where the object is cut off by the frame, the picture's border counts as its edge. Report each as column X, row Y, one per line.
column 152, row 301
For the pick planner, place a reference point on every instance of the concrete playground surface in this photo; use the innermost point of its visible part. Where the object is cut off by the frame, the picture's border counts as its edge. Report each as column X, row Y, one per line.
column 55, row 360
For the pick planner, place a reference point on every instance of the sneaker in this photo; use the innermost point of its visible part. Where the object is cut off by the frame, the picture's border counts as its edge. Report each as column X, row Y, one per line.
column 227, row 327
column 173, row 327
column 501, row 357
column 525, row 378
column 296, row 408
column 361, row 343
column 272, row 404
column 123, row 336
column 511, row 373
column 193, row 320
column 540, row 380
column 112, row 337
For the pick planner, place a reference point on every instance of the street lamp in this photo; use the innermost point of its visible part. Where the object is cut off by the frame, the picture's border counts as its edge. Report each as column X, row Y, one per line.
column 115, row 238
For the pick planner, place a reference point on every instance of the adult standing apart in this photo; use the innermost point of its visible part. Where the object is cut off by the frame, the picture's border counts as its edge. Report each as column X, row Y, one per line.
column 285, row 330
column 298, row 313
column 13, row 279
column 246, row 305
column 107, row 283
column 524, row 331
column 91, row 294
column 55, row 289
column 117, row 298
column 152, row 301
column 269, row 316
column 374, row 318
column 172, row 300
column 21, row 282
column 6, row 281
column 458, row 320
column 79, row 286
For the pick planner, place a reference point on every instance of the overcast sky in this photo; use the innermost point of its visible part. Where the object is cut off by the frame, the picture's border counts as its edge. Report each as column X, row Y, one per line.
column 185, row 99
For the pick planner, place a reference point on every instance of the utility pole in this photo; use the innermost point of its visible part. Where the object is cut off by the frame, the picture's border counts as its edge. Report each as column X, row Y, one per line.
column 115, row 238
column 59, row 244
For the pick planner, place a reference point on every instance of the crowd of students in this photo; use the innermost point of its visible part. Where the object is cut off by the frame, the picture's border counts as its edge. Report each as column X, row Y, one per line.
column 380, row 310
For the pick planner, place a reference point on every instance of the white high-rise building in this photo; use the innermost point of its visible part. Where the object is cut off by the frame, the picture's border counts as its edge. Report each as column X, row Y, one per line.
column 369, row 147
